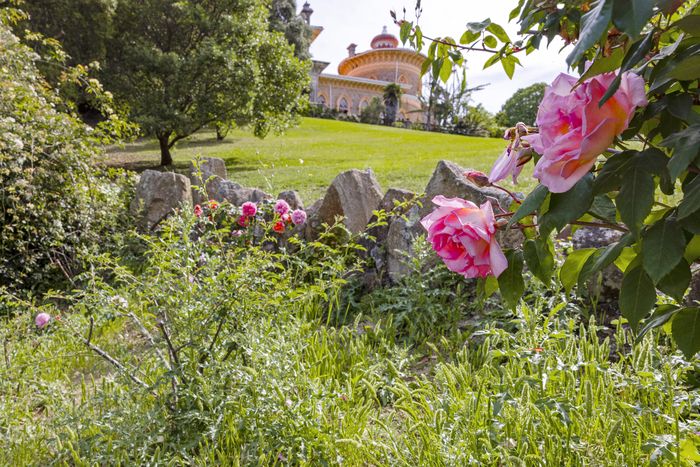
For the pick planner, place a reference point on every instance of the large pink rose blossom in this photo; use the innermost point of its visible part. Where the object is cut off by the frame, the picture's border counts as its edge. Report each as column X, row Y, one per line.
column 464, row 236
column 574, row 130
column 249, row 209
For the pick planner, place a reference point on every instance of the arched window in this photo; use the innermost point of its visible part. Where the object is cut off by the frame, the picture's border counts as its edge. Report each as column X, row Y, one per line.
column 363, row 105
column 343, row 105
column 322, row 100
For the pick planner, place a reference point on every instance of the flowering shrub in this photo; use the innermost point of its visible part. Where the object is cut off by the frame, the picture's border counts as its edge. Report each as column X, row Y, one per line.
column 617, row 147
column 250, row 222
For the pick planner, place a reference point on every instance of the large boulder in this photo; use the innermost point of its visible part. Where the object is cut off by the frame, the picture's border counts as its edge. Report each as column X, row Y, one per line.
column 159, row 194
column 401, row 235
column 238, row 196
column 353, row 195
column 292, row 198
column 210, row 173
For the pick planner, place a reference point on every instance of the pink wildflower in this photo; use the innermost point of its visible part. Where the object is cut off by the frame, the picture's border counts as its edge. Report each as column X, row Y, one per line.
column 298, row 216
column 249, row 209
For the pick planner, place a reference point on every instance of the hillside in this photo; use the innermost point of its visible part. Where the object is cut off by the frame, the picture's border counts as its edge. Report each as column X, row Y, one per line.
column 308, row 157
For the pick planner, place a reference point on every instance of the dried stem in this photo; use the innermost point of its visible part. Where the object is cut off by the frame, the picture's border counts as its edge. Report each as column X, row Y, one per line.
column 150, row 338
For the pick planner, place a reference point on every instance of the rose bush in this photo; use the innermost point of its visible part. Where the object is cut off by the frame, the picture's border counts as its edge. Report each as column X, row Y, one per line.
column 617, row 147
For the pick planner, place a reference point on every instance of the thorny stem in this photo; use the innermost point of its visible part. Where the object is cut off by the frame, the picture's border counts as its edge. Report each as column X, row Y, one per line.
column 510, row 193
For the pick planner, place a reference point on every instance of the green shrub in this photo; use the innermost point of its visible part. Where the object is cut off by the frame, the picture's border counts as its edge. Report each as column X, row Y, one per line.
column 55, row 205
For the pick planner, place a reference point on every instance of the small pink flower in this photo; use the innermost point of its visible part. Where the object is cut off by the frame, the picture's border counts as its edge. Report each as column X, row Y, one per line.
column 464, row 237
column 236, row 233
column 518, row 152
column 197, row 210
column 574, row 130
column 42, row 319
column 243, row 221
column 286, row 218
column 298, row 216
column 281, row 207
column 278, row 227
column 249, row 209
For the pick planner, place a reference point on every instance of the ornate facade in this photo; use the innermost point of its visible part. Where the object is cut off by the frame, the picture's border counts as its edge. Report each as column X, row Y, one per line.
column 362, row 76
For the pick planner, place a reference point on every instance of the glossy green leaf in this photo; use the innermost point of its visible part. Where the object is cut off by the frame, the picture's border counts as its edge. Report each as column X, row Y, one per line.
column 663, row 246
column 637, row 296
column 539, row 257
column 687, row 70
column 686, row 146
column 594, row 25
column 609, row 178
column 511, row 282
column 636, row 197
column 689, row 24
column 658, row 318
column 676, row 282
column 630, row 16
column 603, row 258
column 508, row 62
column 634, row 55
column 498, row 31
column 603, row 208
column 569, row 272
column 691, row 199
column 568, row 206
column 685, row 328
column 532, row 203
column 490, row 41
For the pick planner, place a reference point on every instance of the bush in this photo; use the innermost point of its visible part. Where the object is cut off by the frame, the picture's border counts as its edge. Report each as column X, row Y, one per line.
column 56, row 207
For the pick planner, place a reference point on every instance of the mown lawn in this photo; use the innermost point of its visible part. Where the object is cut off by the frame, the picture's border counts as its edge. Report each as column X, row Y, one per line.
column 308, row 157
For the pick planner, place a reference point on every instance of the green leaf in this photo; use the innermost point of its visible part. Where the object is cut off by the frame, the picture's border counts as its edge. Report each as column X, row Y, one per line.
column 634, row 55
column 539, row 257
column 637, row 295
column 686, row 145
column 405, row 31
column 445, row 70
column 610, row 176
column 490, row 41
column 569, row 272
column 603, row 258
column 692, row 250
column 661, row 315
column 687, row 70
column 477, row 27
column 686, row 330
column 604, row 64
column 676, row 282
column 568, row 206
column 511, row 280
column 636, row 198
column 630, row 16
column 689, row 24
column 508, row 63
column 498, row 31
column 691, row 199
column 532, row 203
column 603, row 208
column 468, row 37
column 663, row 246
column 594, row 24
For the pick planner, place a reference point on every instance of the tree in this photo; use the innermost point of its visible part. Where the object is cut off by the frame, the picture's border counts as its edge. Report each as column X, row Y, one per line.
column 477, row 121
column 283, row 18
column 180, row 66
column 392, row 99
column 373, row 112
column 522, row 106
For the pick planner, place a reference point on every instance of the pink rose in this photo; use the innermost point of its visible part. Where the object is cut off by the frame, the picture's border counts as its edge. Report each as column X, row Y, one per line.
column 249, row 209
column 464, row 236
column 42, row 319
column 574, row 130
column 298, row 216
column 281, row 207
column 197, row 210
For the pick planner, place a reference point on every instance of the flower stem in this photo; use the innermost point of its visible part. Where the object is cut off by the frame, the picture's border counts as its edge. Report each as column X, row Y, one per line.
column 510, row 193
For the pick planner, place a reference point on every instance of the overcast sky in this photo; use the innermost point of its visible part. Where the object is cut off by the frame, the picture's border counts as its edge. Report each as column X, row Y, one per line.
column 358, row 21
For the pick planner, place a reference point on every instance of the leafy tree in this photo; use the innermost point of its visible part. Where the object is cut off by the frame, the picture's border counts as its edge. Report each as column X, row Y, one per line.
column 392, row 99
column 283, row 18
column 183, row 65
column 477, row 121
column 373, row 112
column 522, row 106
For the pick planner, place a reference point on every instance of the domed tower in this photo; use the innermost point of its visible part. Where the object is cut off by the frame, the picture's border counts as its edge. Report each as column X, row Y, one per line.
column 384, row 40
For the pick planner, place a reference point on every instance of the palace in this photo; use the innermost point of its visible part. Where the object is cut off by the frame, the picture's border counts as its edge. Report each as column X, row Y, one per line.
column 363, row 75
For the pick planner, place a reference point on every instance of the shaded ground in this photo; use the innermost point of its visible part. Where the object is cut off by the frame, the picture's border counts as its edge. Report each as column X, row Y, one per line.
column 308, row 157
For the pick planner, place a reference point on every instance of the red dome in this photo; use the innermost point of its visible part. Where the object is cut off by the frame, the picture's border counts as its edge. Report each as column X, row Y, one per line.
column 385, row 40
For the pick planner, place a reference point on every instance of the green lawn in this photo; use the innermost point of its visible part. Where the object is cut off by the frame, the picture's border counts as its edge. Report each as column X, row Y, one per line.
column 308, row 157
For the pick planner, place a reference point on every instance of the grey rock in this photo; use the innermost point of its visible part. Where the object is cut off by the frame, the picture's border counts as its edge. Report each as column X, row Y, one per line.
column 313, row 221
column 238, row 196
column 353, row 195
column 292, row 198
column 693, row 297
column 212, row 174
column 159, row 194
column 401, row 235
column 394, row 196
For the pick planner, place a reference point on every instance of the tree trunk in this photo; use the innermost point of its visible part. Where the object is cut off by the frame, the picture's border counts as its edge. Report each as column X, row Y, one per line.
column 165, row 157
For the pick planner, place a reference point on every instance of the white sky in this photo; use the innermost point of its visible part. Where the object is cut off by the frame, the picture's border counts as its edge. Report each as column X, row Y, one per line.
column 358, row 21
